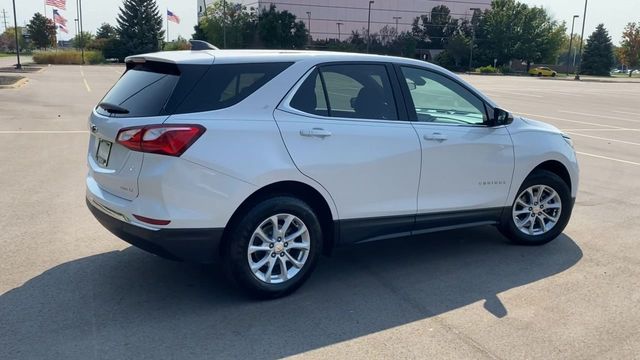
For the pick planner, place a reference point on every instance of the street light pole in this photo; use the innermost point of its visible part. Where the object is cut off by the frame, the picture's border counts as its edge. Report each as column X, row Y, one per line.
column 473, row 39
column 571, row 42
column 584, row 19
column 369, row 26
column 224, row 24
column 309, row 24
column 339, row 23
column 396, row 18
column 15, row 30
column 79, row 3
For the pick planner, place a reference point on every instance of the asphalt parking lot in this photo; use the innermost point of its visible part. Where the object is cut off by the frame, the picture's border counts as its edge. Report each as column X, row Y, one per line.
column 71, row 290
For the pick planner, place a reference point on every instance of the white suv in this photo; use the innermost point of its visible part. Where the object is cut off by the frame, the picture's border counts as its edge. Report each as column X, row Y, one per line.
column 263, row 160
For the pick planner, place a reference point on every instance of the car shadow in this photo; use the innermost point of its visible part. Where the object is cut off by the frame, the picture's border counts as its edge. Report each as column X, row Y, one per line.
column 128, row 304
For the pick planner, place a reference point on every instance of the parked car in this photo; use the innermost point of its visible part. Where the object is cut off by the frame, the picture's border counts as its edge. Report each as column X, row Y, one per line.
column 264, row 160
column 542, row 71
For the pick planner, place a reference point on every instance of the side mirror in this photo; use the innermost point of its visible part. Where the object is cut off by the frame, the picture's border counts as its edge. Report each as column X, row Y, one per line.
column 411, row 84
column 501, row 117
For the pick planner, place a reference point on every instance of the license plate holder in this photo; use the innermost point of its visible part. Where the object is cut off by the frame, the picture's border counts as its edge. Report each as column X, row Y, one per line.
column 104, row 150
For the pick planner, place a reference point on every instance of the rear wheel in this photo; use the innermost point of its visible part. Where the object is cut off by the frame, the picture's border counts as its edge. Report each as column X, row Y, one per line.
column 540, row 211
column 274, row 248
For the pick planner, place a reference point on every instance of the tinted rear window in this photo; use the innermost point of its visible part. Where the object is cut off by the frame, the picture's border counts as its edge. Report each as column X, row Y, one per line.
column 143, row 90
column 153, row 89
column 227, row 84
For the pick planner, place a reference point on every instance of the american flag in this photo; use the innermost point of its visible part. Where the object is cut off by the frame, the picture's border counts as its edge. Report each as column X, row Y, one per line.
column 63, row 28
column 173, row 17
column 60, row 4
column 59, row 19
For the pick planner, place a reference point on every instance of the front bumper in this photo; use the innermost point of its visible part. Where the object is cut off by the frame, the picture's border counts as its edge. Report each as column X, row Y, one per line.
column 193, row 245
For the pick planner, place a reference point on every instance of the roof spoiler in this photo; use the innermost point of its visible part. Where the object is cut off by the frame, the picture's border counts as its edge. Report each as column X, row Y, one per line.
column 201, row 45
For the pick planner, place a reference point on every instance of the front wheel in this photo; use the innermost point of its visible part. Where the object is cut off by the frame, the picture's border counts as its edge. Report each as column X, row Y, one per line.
column 540, row 211
column 274, row 248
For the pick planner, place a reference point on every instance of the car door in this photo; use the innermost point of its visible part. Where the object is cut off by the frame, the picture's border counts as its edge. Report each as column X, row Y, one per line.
column 467, row 165
column 343, row 128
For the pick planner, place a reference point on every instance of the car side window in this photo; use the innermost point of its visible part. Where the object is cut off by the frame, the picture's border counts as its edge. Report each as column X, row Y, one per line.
column 310, row 97
column 439, row 99
column 360, row 91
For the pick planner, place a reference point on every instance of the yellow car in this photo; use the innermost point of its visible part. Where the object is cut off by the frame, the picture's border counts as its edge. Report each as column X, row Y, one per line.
column 542, row 71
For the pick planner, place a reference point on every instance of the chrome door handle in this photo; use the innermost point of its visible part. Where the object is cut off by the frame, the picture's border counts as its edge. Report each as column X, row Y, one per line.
column 435, row 137
column 315, row 132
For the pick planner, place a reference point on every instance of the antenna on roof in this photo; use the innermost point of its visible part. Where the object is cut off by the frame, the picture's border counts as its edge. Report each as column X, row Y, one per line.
column 201, row 45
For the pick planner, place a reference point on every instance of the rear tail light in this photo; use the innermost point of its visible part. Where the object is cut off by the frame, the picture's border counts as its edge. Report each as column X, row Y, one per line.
column 172, row 140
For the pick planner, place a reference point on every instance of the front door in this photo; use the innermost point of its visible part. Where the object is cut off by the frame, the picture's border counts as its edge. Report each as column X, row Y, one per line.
column 467, row 165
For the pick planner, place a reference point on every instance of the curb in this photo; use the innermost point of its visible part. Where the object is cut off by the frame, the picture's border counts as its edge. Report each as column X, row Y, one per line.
column 16, row 84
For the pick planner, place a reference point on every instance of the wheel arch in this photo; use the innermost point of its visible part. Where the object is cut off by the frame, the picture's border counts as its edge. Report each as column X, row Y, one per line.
column 557, row 168
column 297, row 189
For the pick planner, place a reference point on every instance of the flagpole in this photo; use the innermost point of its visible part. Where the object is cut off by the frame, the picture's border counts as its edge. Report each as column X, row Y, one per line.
column 45, row 8
column 167, row 15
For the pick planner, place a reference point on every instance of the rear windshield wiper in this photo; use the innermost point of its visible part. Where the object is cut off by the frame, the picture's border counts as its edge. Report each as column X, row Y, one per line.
column 113, row 108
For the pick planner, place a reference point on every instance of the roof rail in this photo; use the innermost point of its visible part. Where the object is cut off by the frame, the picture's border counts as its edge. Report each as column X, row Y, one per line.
column 201, row 45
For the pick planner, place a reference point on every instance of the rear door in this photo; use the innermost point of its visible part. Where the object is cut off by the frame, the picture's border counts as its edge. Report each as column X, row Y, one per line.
column 342, row 128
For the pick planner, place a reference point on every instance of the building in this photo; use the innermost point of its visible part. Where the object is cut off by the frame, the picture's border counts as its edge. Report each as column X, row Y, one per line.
column 333, row 19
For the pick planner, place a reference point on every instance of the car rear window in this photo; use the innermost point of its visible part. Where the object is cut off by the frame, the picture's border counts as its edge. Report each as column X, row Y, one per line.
column 227, row 84
column 143, row 90
column 153, row 88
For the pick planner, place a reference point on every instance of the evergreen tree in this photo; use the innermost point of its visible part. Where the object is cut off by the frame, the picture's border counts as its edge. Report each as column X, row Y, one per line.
column 106, row 31
column 42, row 31
column 139, row 27
column 598, row 53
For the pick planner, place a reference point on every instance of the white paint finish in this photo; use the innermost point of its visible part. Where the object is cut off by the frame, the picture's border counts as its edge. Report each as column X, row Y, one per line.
column 120, row 176
column 366, row 168
column 456, row 171
column 536, row 142
column 371, row 168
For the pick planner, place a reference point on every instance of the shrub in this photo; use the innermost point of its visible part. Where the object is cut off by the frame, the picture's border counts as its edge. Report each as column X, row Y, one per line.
column 487, row 70
column 505, row 69
column 67, row 57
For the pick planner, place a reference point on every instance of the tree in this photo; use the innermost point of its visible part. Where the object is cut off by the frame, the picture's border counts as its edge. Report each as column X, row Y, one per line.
column 434, row 28
column 178, row 44
column 139, row 27
column 540, row 37
column 630, row 47
column 106, row 31
column 42, row 31
column 82, row 40
column 8, row 40
column 239, row 23
column 598, row 53
column 512, row 30
column 280, row 30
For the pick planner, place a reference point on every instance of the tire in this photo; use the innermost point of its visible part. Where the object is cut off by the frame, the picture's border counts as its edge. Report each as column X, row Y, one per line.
column 540, row 181
column 264, row 283
column 539, row 74
column 553, row 74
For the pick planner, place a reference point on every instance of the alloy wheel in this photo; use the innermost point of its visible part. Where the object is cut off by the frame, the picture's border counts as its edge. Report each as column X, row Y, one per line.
column 279, row 248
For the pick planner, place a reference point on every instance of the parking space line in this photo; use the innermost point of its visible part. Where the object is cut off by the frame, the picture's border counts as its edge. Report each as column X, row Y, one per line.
column 620, row 129
column 598, row 116
column 608, row 158
column 602, row 138
column 568, row 120
column 43, row 131
column 86, row 84
column 626, row 112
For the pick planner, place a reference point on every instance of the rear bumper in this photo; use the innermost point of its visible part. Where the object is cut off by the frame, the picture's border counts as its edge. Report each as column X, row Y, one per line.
column 193, row 245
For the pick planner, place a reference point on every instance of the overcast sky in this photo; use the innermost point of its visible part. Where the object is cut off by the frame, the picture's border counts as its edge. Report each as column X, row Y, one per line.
column 615, row 14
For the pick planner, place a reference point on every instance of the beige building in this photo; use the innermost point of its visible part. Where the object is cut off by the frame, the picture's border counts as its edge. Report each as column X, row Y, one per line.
column 326, row 17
